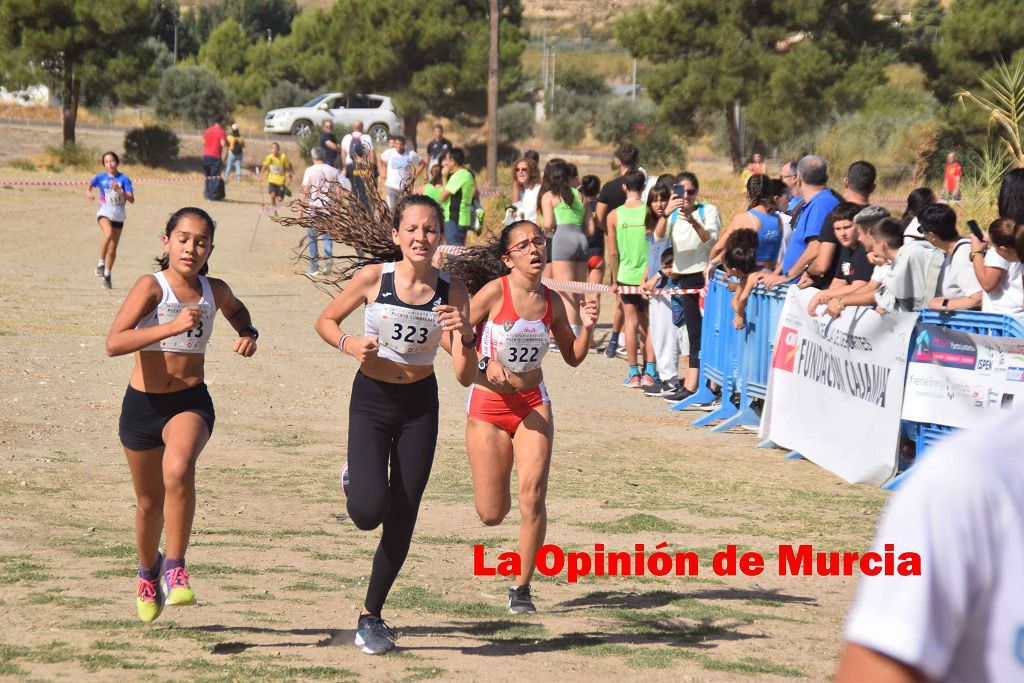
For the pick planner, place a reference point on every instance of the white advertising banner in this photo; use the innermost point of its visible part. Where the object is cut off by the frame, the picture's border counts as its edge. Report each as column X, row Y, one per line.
column 836, row 387
column 958, row 379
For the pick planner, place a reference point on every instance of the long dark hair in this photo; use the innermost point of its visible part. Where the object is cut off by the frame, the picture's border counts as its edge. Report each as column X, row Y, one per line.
column 164, row 261
column 657, row 191
column 918, row 198
column 1011, row 195
column 558, row 181
column 761, row 192
column 476, row 266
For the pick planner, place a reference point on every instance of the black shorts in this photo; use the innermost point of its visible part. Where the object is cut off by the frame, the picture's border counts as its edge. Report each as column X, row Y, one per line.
column 276, row 190
column 116, row 225
column 144, row 415
column 632, row 299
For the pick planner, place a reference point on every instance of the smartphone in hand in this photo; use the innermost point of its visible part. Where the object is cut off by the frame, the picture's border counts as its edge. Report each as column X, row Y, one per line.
column 678, row 190
column 972, row 225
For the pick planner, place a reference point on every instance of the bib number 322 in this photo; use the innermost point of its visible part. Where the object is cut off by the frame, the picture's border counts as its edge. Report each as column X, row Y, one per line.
column 523, row 354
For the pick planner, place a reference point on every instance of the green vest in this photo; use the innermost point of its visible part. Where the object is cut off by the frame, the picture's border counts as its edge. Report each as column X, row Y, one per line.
column 631, row 239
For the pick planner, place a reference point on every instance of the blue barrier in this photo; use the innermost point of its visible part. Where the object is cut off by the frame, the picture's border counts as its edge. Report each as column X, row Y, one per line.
column 740, row 360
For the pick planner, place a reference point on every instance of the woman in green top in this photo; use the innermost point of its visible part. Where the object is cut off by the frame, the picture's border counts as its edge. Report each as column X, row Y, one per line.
column 626, row 254
column 434, row 185
column 561, row 209
column 457, row 197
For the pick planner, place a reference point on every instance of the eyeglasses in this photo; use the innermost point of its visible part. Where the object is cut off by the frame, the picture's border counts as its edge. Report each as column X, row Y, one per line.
column 539, row 241
column 789, row 175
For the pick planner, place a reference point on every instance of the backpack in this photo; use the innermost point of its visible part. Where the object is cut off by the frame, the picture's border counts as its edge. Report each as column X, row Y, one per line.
column 354, row 144
column 236, row 146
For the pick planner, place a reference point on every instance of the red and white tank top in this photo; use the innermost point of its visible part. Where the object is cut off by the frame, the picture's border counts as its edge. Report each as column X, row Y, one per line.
column 518, row 344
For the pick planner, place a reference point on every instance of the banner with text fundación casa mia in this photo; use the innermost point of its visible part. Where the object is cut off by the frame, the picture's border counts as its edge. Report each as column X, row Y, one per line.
column 958, row 379
column 835, row 391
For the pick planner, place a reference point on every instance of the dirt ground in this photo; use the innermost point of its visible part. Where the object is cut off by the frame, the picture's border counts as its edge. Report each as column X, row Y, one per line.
column 279, row 570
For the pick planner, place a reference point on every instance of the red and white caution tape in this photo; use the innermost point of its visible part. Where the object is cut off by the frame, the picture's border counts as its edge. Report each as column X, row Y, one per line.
column 72, row 183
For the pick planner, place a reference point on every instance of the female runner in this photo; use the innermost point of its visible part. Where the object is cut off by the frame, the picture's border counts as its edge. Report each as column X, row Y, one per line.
column 562, row 210
column 115, row 190
column 167, row 415
column 510, row 418
column 411, row 309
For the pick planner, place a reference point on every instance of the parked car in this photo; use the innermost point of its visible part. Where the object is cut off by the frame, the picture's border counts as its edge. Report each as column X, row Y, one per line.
column 380, row 120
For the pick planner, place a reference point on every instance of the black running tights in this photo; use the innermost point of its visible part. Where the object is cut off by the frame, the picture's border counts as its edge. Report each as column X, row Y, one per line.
column 392, row 424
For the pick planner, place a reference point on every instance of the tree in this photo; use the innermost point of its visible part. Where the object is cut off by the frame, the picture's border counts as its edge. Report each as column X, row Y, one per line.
column 975, row 35
column 193, row 94
column 256, row 17
column 71, row 45
column 787, row 63
column 430, row 57
column 225, row 52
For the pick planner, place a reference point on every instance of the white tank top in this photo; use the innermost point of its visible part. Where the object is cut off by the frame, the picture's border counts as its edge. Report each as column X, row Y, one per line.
column 518, row 344
column 189, row 341
column 408, row 334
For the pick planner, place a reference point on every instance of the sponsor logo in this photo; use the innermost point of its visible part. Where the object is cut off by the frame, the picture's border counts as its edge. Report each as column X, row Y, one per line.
column 945, row 347
column 508, row 325
column 1015, row 373
column 385, row 293
column 785, row 352
column 437, row 301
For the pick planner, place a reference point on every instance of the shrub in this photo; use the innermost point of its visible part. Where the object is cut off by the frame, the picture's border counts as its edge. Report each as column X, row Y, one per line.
column 658, row 149
column 74, row 154
column 306, row 145
column 193, row 94
column 150, row 145
column 583, row 82
column 515, row 122
column 568, row 128
column 285, row 94
column 617, row 118
column 23, row 165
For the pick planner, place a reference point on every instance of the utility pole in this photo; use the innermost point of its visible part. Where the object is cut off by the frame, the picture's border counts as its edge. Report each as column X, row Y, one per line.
column 492, row 96
column 633, row 95
column 175, row 41
column 553, row 52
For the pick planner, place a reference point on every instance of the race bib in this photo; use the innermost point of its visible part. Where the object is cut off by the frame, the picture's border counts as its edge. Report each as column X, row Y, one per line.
column 112, row 197
column 523, row 351
column 408, row 331
column 189, row 341
column 276, row 169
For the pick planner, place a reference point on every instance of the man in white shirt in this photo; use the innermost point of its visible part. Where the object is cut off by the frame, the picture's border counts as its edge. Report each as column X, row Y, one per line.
column 962, row 618
column 358, row 137
column 958, row 285
column 400, row 168
column 317, row 183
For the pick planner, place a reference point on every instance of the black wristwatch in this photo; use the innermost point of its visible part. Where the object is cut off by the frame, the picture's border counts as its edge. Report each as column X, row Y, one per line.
column 482, row 365
column 249, row 331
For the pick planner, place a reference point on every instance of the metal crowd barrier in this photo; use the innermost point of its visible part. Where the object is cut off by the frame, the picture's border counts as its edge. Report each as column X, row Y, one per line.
column 740, row 361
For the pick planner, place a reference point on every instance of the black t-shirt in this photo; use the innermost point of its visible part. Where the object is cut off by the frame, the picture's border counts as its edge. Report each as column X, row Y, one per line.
column 853, row 265
column 359, row 175
column 828, row 236
column 330, row 155
column 612, row 193
column 438, row 148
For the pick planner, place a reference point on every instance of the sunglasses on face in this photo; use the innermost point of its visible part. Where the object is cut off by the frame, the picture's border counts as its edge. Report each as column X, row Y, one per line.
column 539, row 241
column 690, row 192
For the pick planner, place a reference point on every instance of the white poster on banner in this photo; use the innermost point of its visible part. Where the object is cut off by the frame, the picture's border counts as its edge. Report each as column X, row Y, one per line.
column 836, row 387
column 958, row 379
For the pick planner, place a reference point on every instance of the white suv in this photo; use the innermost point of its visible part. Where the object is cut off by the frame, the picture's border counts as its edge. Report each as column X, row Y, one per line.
column 380, row 120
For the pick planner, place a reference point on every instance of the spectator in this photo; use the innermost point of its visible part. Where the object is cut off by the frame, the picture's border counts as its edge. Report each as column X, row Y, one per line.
column 457, row 197
column 999, row 270
column 317, row 183
column 611, row 197
column 782, row 200
column 352, row 142
column 818, row 201
column 693, row 229
column 755, row 166
column 526, row 188
column 627, row 258
column 661, row 335
column 962, row 512
column 533, row 154
column 858, row 184
column 739, row 255
column 659, row 200
column 235, row 145
column 916, row 201
column 590, row 188
column 853, row 269
column 435, row 183
column 401, row 167
column 911, row 283
column 958, row 285
column 761, row 218
column 788, row 176
column 951, row 187
column 214, row 148
column 360, row 174
column 329, row 144
column 438, row 147
column 563, row 212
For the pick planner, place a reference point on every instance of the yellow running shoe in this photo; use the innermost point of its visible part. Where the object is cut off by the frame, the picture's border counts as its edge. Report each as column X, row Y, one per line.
column 174, row 583
column 149, row 599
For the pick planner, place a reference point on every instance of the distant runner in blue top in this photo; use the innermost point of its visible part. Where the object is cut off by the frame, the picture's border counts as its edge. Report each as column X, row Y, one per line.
column 115, row 190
